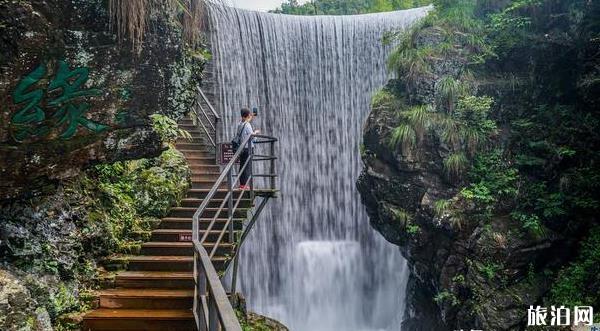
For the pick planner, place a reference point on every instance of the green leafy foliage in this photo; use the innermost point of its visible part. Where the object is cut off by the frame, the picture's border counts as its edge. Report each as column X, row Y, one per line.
column 578, row 284
column 168, row 129
column 411, row 63
column 528, row 158
column 456, row 164
column 448, row 90
column 346, row 7
column 62, row 300
column 132, row 193
column 494, row 184
column 403, row 135
column 490, row 270
column 530, row 222
column 383, row 99
column 415, row 121
column 446, row 296
column 441, row 207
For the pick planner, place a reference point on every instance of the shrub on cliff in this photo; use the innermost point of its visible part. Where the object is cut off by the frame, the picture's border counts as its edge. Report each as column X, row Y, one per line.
column 493, row 147
column 52, row 243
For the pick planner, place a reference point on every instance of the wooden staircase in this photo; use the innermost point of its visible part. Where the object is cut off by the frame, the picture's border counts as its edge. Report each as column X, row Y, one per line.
column 156, row 289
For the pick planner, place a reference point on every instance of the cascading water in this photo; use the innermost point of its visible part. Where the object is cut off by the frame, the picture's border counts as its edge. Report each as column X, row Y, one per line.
column 312, row 261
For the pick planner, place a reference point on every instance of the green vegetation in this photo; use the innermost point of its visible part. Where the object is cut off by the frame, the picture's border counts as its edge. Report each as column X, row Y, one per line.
column 516, row 89
column 347, row 7
column 254, row 322
column 108, row 209
column 446, row 296
column 127, row 197
column 167, row 129
column 577, row 284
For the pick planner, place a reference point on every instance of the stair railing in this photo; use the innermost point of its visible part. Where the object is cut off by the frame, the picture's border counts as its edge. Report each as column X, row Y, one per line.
column 212, row 309
column 206, row 118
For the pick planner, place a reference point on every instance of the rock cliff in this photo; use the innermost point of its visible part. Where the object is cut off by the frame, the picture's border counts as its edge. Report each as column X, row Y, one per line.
column 84, row 169
column 73, row 96
column 466, row 162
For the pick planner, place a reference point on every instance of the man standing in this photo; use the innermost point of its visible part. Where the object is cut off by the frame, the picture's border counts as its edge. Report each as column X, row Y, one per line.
column 244, row 130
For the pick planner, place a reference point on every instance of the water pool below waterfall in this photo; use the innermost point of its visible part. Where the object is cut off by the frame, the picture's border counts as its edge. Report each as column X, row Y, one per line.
column 312, row 261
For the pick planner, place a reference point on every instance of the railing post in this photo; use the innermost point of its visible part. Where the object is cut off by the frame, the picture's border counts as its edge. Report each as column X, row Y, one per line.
column 272, row 172
column 200, row 291
column 230, row 204
column 216, row 135
column 213, row 316
column 250, row 168
column 234, row 277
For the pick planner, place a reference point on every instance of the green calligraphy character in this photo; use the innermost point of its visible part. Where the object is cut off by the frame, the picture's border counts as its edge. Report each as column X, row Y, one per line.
column 32, row 113
column 71, row 83
column 73, row 116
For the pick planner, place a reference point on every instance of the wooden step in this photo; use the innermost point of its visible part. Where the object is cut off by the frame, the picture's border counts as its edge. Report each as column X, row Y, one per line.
column 190, row 126
column 219, row 194
column 208, row 212
column 214, row 203
column 197, row 153
column 182, row 248
column 154, row 279
column 194, row 146
column 207, row 176
column 127, row 298
column 139, row 319
column 206, row 184
column 201, row 160
column 199, row 168
column 155, row 263
column 195, row 139
column 160, row 263
column 177, row 235
column 185, row 223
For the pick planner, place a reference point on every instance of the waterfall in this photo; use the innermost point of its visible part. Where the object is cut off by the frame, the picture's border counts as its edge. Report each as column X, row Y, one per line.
column 312, row 261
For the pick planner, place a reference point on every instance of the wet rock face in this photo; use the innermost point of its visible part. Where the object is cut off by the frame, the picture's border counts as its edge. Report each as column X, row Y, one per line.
column 446, row 261
column 391, row 181
column 453, row 284
column 71, row 96
column 16, row 306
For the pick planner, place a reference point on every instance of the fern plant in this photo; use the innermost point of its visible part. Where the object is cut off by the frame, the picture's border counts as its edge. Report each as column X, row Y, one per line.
column 440, row 207
column 410, row 63
column 383, row 99
column 448, row 91
column 456, row 164
column 402, row 216
column 419, row 119
column 403, row 135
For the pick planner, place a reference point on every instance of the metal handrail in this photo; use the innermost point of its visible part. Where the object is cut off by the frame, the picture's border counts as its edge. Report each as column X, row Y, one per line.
column 209, row 104
column 212, row 308
column 204, row 121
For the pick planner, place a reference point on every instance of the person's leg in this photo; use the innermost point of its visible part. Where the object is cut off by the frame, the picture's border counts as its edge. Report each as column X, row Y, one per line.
column 245, row 173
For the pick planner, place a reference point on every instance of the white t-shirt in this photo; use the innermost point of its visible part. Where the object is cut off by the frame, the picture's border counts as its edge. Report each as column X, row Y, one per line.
column 246, row 132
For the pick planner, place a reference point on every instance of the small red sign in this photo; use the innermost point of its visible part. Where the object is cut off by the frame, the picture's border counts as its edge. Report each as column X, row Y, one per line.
column 185, row 237
column 226, row 153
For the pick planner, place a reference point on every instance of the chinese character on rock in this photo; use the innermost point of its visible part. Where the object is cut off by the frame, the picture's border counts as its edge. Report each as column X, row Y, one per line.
column 561, row 316
column 536, row 316
column 68, row 85
column 71, row 83
column 31, row 114
column 583, row 315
